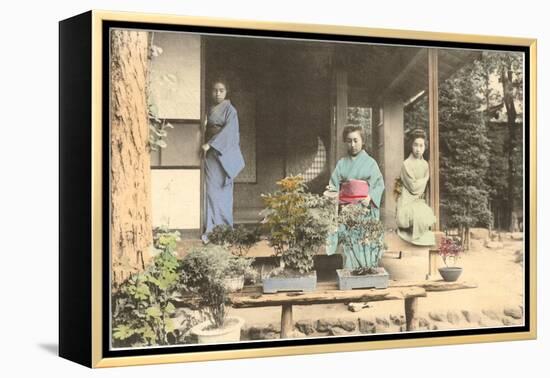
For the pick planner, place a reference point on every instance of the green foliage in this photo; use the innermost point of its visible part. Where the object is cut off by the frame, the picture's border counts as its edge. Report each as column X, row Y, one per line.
column 158, row 129
column 464, row 159
column 239, row 266
column 478, row 107
column 238, row 239
column 143, row 305
column 203, row 271
column 359, row 229
column 297, row 222
column 165, row 240
column 501, row 88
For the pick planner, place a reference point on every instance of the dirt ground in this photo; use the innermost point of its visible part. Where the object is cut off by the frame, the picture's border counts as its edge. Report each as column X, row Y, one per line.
column 497, row 300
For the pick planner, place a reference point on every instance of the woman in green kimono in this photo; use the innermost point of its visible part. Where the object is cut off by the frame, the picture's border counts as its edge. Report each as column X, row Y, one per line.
column 414, row 216
column 358, row 165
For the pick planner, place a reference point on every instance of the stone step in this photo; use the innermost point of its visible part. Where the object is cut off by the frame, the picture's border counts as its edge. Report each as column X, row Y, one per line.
column 405, row 261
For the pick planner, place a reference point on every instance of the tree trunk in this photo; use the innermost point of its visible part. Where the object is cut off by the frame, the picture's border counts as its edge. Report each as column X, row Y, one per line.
column 131, row 227
column 508, row 99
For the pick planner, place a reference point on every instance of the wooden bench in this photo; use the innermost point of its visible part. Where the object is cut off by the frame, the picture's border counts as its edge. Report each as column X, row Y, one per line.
column 328, row 292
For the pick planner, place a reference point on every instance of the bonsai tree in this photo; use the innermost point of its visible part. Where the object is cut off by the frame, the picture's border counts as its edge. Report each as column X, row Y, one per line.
column 203, row 271
column 238, row 240
column 143, row 304
column 450, row 250
column 297, row 223
column 363, row 235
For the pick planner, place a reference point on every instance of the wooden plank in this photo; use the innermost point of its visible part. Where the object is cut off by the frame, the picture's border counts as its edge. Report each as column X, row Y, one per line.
column 324, row 297
column 327, row 292
column 434, row 285
column 439, row 285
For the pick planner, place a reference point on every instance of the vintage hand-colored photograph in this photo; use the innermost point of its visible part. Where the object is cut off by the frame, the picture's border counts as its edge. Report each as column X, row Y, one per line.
column 267, row 189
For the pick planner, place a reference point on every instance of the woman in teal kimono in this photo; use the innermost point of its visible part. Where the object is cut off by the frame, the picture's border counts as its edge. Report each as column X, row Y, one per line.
column 358, row 165
column 414, row 217
column 223, row 159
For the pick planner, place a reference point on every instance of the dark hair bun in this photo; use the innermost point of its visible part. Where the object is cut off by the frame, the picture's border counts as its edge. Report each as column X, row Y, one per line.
column 417, row 133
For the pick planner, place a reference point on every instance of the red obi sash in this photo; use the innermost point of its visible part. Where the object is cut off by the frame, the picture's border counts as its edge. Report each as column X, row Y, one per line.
column 353, row 191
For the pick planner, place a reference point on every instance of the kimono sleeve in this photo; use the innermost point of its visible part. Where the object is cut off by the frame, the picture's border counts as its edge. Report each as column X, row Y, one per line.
column 376, row 184
column 228, row 136
column 335, row 178
column 414, row 186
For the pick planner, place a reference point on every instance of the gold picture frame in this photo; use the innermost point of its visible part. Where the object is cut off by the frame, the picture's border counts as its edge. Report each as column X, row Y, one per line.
column 85, row 116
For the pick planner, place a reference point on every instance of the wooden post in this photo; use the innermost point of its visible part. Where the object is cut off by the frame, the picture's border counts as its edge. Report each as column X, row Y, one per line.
column 433, row 99
column 432, row 272
column 341, row 111
column 411, row 306
column 392, row 147
column 287, row 325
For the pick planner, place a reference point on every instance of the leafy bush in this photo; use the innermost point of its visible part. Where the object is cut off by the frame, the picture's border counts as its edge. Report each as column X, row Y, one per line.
column 143, row 305
column 358, row 229
column 238, row 239
column 203, row 271
column 239, row 266
column 158, row 129
column 165, row 240
column 297, row 223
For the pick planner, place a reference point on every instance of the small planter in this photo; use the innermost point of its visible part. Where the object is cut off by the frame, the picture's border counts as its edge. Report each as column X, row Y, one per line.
column 348, row 281
column 305, row 283
column 231, row 332
column 233, row 284
column 450, row 273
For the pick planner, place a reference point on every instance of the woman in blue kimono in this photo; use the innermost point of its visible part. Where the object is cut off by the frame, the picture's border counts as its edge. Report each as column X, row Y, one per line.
column 358, row 165
column 223, row 159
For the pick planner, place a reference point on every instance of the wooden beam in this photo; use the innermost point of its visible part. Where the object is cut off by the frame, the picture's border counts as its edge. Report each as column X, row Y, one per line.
column 431, row 286
column 433, row 99
column 323, row 297
column 203, row 130
column 341, row 111
column 420, row 55
column 327, row 292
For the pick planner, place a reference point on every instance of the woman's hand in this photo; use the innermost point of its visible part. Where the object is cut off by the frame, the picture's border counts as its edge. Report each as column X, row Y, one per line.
column 366, row 201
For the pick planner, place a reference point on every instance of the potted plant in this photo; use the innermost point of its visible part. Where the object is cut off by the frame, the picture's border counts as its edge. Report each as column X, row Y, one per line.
column 450, row 250
column 203, row 271
column 363, row 236
column 297, row 224
column 238, row 240
column 143, row 305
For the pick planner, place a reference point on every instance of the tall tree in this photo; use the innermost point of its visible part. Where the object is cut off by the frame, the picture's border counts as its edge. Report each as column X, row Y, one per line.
column 502, row 90
column 131, row 227
column 464, row 153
